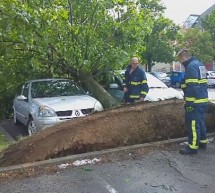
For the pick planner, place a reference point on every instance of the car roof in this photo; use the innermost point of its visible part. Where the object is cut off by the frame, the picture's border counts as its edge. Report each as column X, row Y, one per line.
column 48, row 79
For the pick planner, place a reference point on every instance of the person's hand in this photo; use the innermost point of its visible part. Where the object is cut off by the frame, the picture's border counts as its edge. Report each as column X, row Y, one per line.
column 125, row 89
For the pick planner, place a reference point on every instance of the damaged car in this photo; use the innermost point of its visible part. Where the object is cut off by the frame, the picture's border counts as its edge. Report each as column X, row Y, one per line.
column 45, row 102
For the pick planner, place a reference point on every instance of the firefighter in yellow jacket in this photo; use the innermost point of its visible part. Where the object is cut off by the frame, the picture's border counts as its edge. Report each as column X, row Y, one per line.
column 135, row 85
column 194, row 86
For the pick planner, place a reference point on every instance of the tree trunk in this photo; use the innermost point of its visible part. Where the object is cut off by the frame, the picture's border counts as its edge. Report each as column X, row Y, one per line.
column 98, row 91
column 149, row 61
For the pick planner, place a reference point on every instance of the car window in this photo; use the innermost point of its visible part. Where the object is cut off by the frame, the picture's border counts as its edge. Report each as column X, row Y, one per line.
column 25, row 90
column 55, row 88
column 162, row 75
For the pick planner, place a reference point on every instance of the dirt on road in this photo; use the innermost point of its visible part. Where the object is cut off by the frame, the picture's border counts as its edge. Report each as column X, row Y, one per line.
column 127, row 125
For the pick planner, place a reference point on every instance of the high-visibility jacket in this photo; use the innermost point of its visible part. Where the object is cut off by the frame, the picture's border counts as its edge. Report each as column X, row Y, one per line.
column 194, row 84
column 136, row 83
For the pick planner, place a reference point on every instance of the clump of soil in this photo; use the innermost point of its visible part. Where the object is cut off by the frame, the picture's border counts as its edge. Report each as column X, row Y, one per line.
column 127, row 125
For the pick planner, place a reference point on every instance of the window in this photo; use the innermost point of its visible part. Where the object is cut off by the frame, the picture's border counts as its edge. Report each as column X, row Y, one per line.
column 25, row 90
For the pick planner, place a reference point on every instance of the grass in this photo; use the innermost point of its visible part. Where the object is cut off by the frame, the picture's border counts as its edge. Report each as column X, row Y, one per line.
column 4, row 142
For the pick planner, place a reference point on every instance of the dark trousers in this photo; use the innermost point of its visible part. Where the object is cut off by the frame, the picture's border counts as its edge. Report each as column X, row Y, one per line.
column 195, row 123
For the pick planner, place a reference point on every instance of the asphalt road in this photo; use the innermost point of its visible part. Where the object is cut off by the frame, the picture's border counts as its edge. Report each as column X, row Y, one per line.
column 163, row 171
column 15, row 131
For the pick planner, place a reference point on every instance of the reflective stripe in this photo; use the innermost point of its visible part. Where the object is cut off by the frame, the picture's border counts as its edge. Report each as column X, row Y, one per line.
column 143, row 92
column 135, row 83
column 194, row 133
column 134, row 96
column 201, row 81
column 197, row 101
column 192, row 80
column 138, row 83
column 190, row 99
column 183, row 86
column 203, row 141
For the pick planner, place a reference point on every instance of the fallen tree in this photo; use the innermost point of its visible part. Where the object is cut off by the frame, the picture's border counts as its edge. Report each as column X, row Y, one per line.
column 122, row 126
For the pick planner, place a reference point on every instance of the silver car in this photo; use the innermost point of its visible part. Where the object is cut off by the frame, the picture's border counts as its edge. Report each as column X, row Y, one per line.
column 211, row 78
column 46, row 102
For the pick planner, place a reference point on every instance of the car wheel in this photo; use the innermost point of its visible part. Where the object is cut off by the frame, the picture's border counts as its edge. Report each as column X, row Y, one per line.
column 31, row 127
column 15, row 120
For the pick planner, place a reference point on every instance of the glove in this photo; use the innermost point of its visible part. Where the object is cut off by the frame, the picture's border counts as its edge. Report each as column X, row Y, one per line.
column 189, row 109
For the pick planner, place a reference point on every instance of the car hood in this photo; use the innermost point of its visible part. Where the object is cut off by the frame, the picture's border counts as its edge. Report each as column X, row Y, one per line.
column 157, row 94
column 64, row 103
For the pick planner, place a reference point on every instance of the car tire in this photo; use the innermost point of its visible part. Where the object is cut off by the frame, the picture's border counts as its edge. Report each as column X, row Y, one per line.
column 15, row 120
column 31, row 127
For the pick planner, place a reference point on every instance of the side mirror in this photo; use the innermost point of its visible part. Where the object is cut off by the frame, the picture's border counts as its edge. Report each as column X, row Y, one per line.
column 113, row 86
column 21, row 97
column 88, row 93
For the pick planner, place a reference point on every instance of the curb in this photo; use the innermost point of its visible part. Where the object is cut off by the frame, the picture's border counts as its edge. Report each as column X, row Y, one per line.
column 93, row 154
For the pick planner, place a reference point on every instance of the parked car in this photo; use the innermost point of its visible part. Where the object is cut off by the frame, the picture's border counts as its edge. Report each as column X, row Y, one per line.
column 211, row 78
column 162, row 76
column 157, row 89
column 46, row 102
column 176, row 78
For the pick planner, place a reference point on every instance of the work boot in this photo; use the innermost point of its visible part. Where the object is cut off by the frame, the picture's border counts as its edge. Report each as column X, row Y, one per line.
column 202, row 145
column 187, row 151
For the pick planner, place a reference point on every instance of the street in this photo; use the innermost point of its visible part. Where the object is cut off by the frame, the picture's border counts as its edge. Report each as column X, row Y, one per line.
column 159, row 171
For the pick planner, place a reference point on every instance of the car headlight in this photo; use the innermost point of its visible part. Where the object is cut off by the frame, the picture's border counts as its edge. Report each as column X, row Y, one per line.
column 98, row 106
column 45, row 111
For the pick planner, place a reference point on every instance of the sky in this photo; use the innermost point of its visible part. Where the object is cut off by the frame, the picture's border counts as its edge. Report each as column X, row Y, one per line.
column 179, row 10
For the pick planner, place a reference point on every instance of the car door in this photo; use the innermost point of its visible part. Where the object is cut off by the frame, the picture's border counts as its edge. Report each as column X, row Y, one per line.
column 22, row 105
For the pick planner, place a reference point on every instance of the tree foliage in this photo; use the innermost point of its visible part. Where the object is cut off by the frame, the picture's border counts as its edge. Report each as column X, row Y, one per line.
column 160, row 43
column 198, row 42
column 79, row 39
column 208, row 24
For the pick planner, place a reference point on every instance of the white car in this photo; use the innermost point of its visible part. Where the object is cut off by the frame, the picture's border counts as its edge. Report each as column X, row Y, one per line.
column 157, row 89
column 211, row 78
column 162, row 76
column 46, row 102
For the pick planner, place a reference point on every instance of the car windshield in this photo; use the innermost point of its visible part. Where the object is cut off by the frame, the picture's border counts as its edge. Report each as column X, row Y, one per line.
column 161, row 75
column 55, row 88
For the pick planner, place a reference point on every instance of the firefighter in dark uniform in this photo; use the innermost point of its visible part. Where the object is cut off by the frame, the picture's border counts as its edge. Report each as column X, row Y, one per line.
column 195, row 91
column 135, row 82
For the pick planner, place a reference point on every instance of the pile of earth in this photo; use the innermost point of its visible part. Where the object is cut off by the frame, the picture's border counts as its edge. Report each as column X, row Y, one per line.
column 127, row 125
